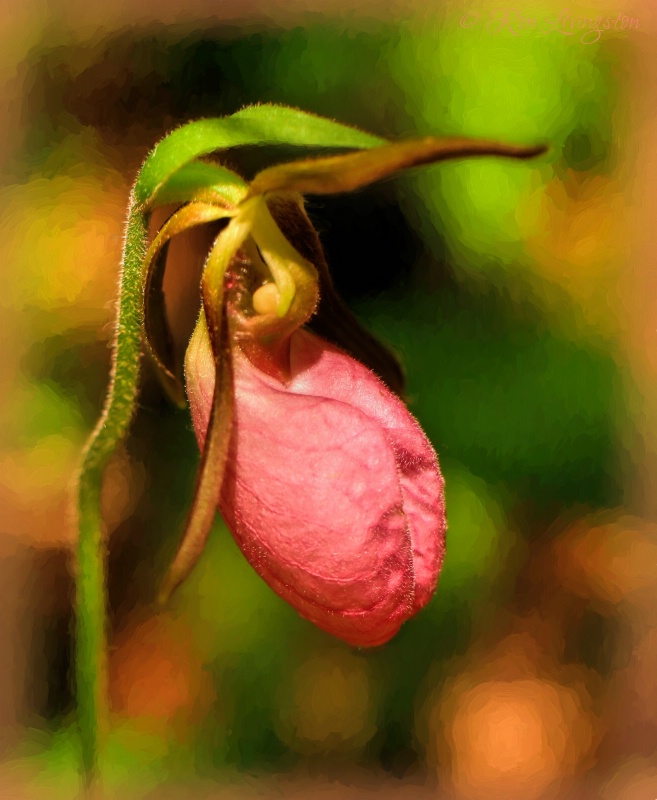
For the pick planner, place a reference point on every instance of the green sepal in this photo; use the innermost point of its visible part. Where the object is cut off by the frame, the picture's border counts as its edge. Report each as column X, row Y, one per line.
column 253, row 125
column 202, row 181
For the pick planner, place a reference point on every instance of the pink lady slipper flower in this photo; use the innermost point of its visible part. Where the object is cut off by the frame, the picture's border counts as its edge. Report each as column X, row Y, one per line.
column 326, row 481
column 328, row 484
column 331, row 490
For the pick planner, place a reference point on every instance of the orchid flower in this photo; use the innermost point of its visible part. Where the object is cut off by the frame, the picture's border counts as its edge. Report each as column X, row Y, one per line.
column 328, row 484
column 326, row 481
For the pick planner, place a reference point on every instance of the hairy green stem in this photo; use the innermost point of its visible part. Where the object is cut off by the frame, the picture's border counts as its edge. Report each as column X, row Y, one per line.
column 90, row 599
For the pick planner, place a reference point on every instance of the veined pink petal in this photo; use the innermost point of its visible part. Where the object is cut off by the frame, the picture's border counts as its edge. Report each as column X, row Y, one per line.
column 332, row 490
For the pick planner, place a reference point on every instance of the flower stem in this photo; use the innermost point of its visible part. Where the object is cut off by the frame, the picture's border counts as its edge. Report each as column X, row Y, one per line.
column 90, row 579
column 91, row 644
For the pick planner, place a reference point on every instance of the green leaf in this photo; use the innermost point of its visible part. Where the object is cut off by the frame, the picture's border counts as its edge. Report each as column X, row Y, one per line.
column 344, row 173
column 254, row 125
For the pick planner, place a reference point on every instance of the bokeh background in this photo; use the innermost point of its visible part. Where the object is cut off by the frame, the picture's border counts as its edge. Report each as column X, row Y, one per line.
column 522, row 299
